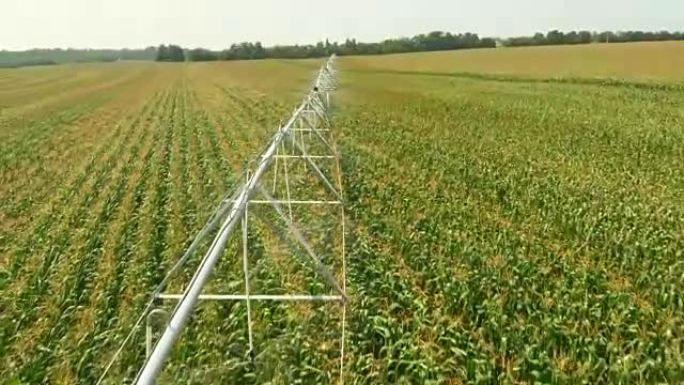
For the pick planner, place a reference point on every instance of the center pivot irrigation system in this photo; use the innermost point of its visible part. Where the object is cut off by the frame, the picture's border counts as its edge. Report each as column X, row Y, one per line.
column 297, row 178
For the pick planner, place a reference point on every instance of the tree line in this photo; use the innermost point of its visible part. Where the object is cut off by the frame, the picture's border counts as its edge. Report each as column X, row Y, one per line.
column 58, row 56
column 170, row 53
column 556, row 37
column 433, row 41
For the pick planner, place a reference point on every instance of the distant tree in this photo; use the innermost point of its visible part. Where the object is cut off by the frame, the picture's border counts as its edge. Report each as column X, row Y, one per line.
column 201, row 54
column 554, row 37
column 171, row 53
column 571, row 38
column 538, row 39
column 664, row 35
column 258, row 51
column 435, row 40
column 348, row 48
column 584, row 37
column 432, row 41
column 176, row 53
column 319, row 50
column 57, row 56
column 604, row 37
column 487, row 42
column 162, row 53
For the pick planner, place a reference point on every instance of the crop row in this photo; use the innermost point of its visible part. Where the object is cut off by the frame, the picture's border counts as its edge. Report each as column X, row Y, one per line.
column 493, row 245
column 74, row 293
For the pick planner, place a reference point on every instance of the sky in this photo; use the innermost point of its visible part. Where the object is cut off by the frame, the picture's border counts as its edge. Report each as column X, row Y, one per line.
column 216, row 24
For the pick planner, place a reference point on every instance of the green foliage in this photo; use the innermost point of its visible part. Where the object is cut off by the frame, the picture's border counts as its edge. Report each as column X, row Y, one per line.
column 513, row 232
column 57, row 56
column 434, row 41
column 556, row 37
column 501, row 230
column 171, row 53
column 244, row 50
column 201, row 54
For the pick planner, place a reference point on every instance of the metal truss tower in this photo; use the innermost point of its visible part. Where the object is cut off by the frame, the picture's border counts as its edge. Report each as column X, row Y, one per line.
column 294, row 187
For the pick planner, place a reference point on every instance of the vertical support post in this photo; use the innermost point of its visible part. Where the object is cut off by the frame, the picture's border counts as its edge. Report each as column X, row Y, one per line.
column 287, row 185
column 275, row 171
column 245, row 271
column 148, row 337
column 310, row 131
column 149, row 331
column 292, row 137
column 301, row 138
column 310, row 135
column 338, row 167
column 302, row 144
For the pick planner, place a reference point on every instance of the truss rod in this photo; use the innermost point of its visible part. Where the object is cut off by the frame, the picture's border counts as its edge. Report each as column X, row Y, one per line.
column 305, row 156
column 294, row 202
column 320, row 267
column 318, row 134
column 258, row 297
column 318, row 171
column 308, row 129
column 256, row 201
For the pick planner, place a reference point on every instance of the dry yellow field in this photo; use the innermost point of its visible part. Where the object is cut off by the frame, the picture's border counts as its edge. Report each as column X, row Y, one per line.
column 659, row 61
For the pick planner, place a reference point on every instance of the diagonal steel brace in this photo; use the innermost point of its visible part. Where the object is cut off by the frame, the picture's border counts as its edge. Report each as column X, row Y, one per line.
column 318, row 171
column 299, row 237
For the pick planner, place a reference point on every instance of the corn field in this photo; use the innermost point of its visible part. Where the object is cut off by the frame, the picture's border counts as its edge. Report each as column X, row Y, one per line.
column 502, row 230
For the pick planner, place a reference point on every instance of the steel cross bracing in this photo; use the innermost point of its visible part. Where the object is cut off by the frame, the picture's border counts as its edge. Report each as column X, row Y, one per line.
column 300, row 159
